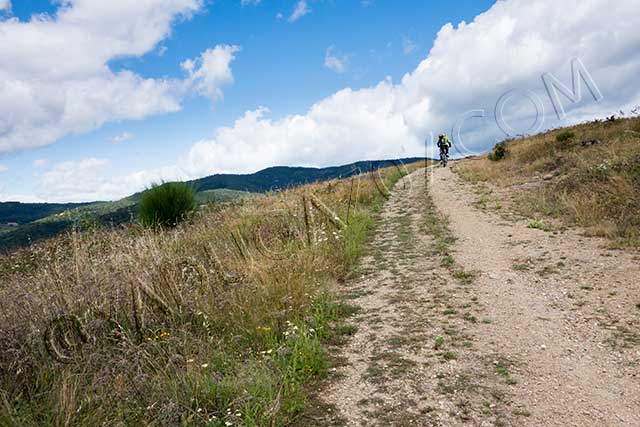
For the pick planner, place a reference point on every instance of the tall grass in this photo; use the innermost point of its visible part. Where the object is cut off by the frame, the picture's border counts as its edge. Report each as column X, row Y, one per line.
column 217, row 322
column 595, row 185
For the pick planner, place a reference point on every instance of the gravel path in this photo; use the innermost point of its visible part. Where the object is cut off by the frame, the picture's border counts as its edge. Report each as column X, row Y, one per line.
column 561, row 305
column 508, row 326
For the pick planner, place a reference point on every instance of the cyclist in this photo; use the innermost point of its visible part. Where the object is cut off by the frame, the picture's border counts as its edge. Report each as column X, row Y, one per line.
column 444, row 143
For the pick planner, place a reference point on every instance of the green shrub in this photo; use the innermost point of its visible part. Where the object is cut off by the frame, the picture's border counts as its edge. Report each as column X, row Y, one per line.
column 167, row 204
column 565, row 135
column 499, row 152
column 537, row 224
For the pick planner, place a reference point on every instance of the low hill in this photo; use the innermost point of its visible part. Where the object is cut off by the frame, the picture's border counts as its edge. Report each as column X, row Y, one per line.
column 282, row 177
column 22, row 213
column 91, row 214
column 39, row 221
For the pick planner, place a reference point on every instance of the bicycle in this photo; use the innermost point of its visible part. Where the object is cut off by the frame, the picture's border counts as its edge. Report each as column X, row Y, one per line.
column 444, row 157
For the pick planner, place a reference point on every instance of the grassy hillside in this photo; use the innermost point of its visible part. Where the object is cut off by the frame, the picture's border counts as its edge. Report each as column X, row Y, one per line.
column 586, row 175
column 91, row 215
column 23, row 213
column 219, row 322
column 41, row 221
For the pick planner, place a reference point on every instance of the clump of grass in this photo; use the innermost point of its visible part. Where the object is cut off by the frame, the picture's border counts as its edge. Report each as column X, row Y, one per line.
column 502, row 369
column 565, row 135
column 167, row 204
column 537, row 224
column 447, row 261
column 464, row 277
column 499, row 152
column 450, row 355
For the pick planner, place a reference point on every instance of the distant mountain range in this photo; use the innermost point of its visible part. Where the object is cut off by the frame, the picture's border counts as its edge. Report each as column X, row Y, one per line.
column 281, row 177
column 23, row 223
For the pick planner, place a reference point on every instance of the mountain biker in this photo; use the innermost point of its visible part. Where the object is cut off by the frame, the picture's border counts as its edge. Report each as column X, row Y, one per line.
column 444, row 143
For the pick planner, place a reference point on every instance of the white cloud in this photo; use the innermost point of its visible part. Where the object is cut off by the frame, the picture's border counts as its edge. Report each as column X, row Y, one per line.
column 89, row 179
column 125, row 136
column 78, row 181
column 54, row 73
column 299, row 11
column 469, row 67
column 211, row 70
column 408, row 45
column 3, row 168
column 40, row 163
column 334, row 61
column 250, row 2
column 5, row 5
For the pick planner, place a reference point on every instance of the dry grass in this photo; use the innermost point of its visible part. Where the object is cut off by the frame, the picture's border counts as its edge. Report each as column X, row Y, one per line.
column 219, row 322
column 594, row 186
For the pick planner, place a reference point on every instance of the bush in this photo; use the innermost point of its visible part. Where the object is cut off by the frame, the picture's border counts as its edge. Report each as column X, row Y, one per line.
column 499, row 152
column 565, row 136
column 166, row 204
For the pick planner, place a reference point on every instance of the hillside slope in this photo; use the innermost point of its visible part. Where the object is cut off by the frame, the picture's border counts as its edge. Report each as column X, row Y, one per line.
column 41, row 221
column 586, row 175
column 221, row 321
column 106, row 214
column 270, row 179
column 23, row 213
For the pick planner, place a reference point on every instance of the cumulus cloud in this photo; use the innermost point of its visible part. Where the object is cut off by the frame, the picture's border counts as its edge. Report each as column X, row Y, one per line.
column 209, row 72
column 89, row 179
column 470, row 66
column 124, row 136
column 299, row 11
column 347, row 126
column 5, row 5
column 51, row 87
column 334, row 61
column 79, row 181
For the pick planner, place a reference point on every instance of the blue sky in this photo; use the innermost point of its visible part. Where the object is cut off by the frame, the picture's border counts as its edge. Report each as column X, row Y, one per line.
column 272, row 61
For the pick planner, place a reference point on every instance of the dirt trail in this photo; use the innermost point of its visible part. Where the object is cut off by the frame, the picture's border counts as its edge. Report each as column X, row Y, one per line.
column 543, row 333
column 562, row 306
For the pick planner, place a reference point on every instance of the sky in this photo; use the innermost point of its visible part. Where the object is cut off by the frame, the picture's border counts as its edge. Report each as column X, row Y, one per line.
column 100, row 99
